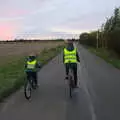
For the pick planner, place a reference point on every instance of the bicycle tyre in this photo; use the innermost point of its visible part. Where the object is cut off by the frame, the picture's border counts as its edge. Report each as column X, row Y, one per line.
column 70, row 87
column 27, row 90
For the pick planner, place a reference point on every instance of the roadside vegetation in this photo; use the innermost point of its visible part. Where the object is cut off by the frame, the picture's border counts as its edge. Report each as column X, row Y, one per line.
column 105, row 42
column 12, row 73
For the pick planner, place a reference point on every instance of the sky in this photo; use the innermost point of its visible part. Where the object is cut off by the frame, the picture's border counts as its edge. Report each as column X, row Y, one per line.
column 50, row 19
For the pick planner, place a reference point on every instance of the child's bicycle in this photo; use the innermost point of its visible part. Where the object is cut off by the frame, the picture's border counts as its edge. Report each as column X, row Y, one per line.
column 28, row 86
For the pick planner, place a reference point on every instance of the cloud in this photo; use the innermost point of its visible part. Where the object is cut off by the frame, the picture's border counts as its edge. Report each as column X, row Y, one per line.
column 8, row 30
column 52, row 18
column 66, row 30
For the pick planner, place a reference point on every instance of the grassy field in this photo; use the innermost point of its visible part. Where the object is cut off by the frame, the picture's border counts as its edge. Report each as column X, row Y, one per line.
column 11, row 51
column 109, row 56
column 12, row 63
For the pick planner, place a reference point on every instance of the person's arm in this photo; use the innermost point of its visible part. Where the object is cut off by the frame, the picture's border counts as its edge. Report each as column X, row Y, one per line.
column 63, row 57
column 38, row 65
column 26, row 59
column 25, row 65
column 78, row 58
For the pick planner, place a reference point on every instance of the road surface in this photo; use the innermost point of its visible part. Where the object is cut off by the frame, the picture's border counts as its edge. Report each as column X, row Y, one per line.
column 97, row 98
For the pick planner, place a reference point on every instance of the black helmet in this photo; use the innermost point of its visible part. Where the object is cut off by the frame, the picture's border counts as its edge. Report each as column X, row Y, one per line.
column 32, row 56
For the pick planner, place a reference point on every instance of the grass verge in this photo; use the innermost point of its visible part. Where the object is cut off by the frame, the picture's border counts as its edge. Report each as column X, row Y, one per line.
column 12, row 74
column 109, row 56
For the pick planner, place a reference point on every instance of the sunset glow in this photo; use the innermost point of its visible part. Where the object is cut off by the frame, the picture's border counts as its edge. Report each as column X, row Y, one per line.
column 52, row 19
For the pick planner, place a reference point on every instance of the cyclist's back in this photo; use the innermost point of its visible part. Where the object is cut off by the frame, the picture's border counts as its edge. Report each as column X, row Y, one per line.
column 70, row 54
column 31, row 67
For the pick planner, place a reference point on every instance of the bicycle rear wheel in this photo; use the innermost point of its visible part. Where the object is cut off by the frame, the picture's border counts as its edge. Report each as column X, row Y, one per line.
column 70, row 86
column 70, row 89
column 27, row 89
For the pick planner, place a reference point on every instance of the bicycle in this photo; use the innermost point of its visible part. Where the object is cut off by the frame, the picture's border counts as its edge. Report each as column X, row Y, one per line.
column 71, row 81
column 28, row 86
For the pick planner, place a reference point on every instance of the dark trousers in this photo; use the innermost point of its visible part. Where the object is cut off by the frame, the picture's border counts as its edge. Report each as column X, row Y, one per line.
column 33, row 75
column 73, row 66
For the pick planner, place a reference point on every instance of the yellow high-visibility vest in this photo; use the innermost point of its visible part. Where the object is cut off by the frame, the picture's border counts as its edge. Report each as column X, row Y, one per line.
column 31, row 65
column 70, row 56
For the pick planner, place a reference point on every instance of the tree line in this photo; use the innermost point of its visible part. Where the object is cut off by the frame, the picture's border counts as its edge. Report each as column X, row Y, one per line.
column 108, row 36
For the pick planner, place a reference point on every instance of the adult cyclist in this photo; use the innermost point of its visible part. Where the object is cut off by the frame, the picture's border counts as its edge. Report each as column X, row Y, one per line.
column 70, row 59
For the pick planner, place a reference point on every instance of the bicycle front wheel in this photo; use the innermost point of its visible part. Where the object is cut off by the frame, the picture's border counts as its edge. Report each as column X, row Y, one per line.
column 27, row 90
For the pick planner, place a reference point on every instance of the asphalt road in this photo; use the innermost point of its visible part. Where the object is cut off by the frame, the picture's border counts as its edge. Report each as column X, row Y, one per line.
column 97, row 98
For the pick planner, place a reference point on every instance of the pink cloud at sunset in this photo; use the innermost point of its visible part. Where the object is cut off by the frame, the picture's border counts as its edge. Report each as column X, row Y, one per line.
column 52, row 18
column 8, row 30
column 13, row 13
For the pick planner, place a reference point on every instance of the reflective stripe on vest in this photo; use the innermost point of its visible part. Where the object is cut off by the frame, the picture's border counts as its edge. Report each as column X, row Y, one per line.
column 70, row 56
column 31, row 65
